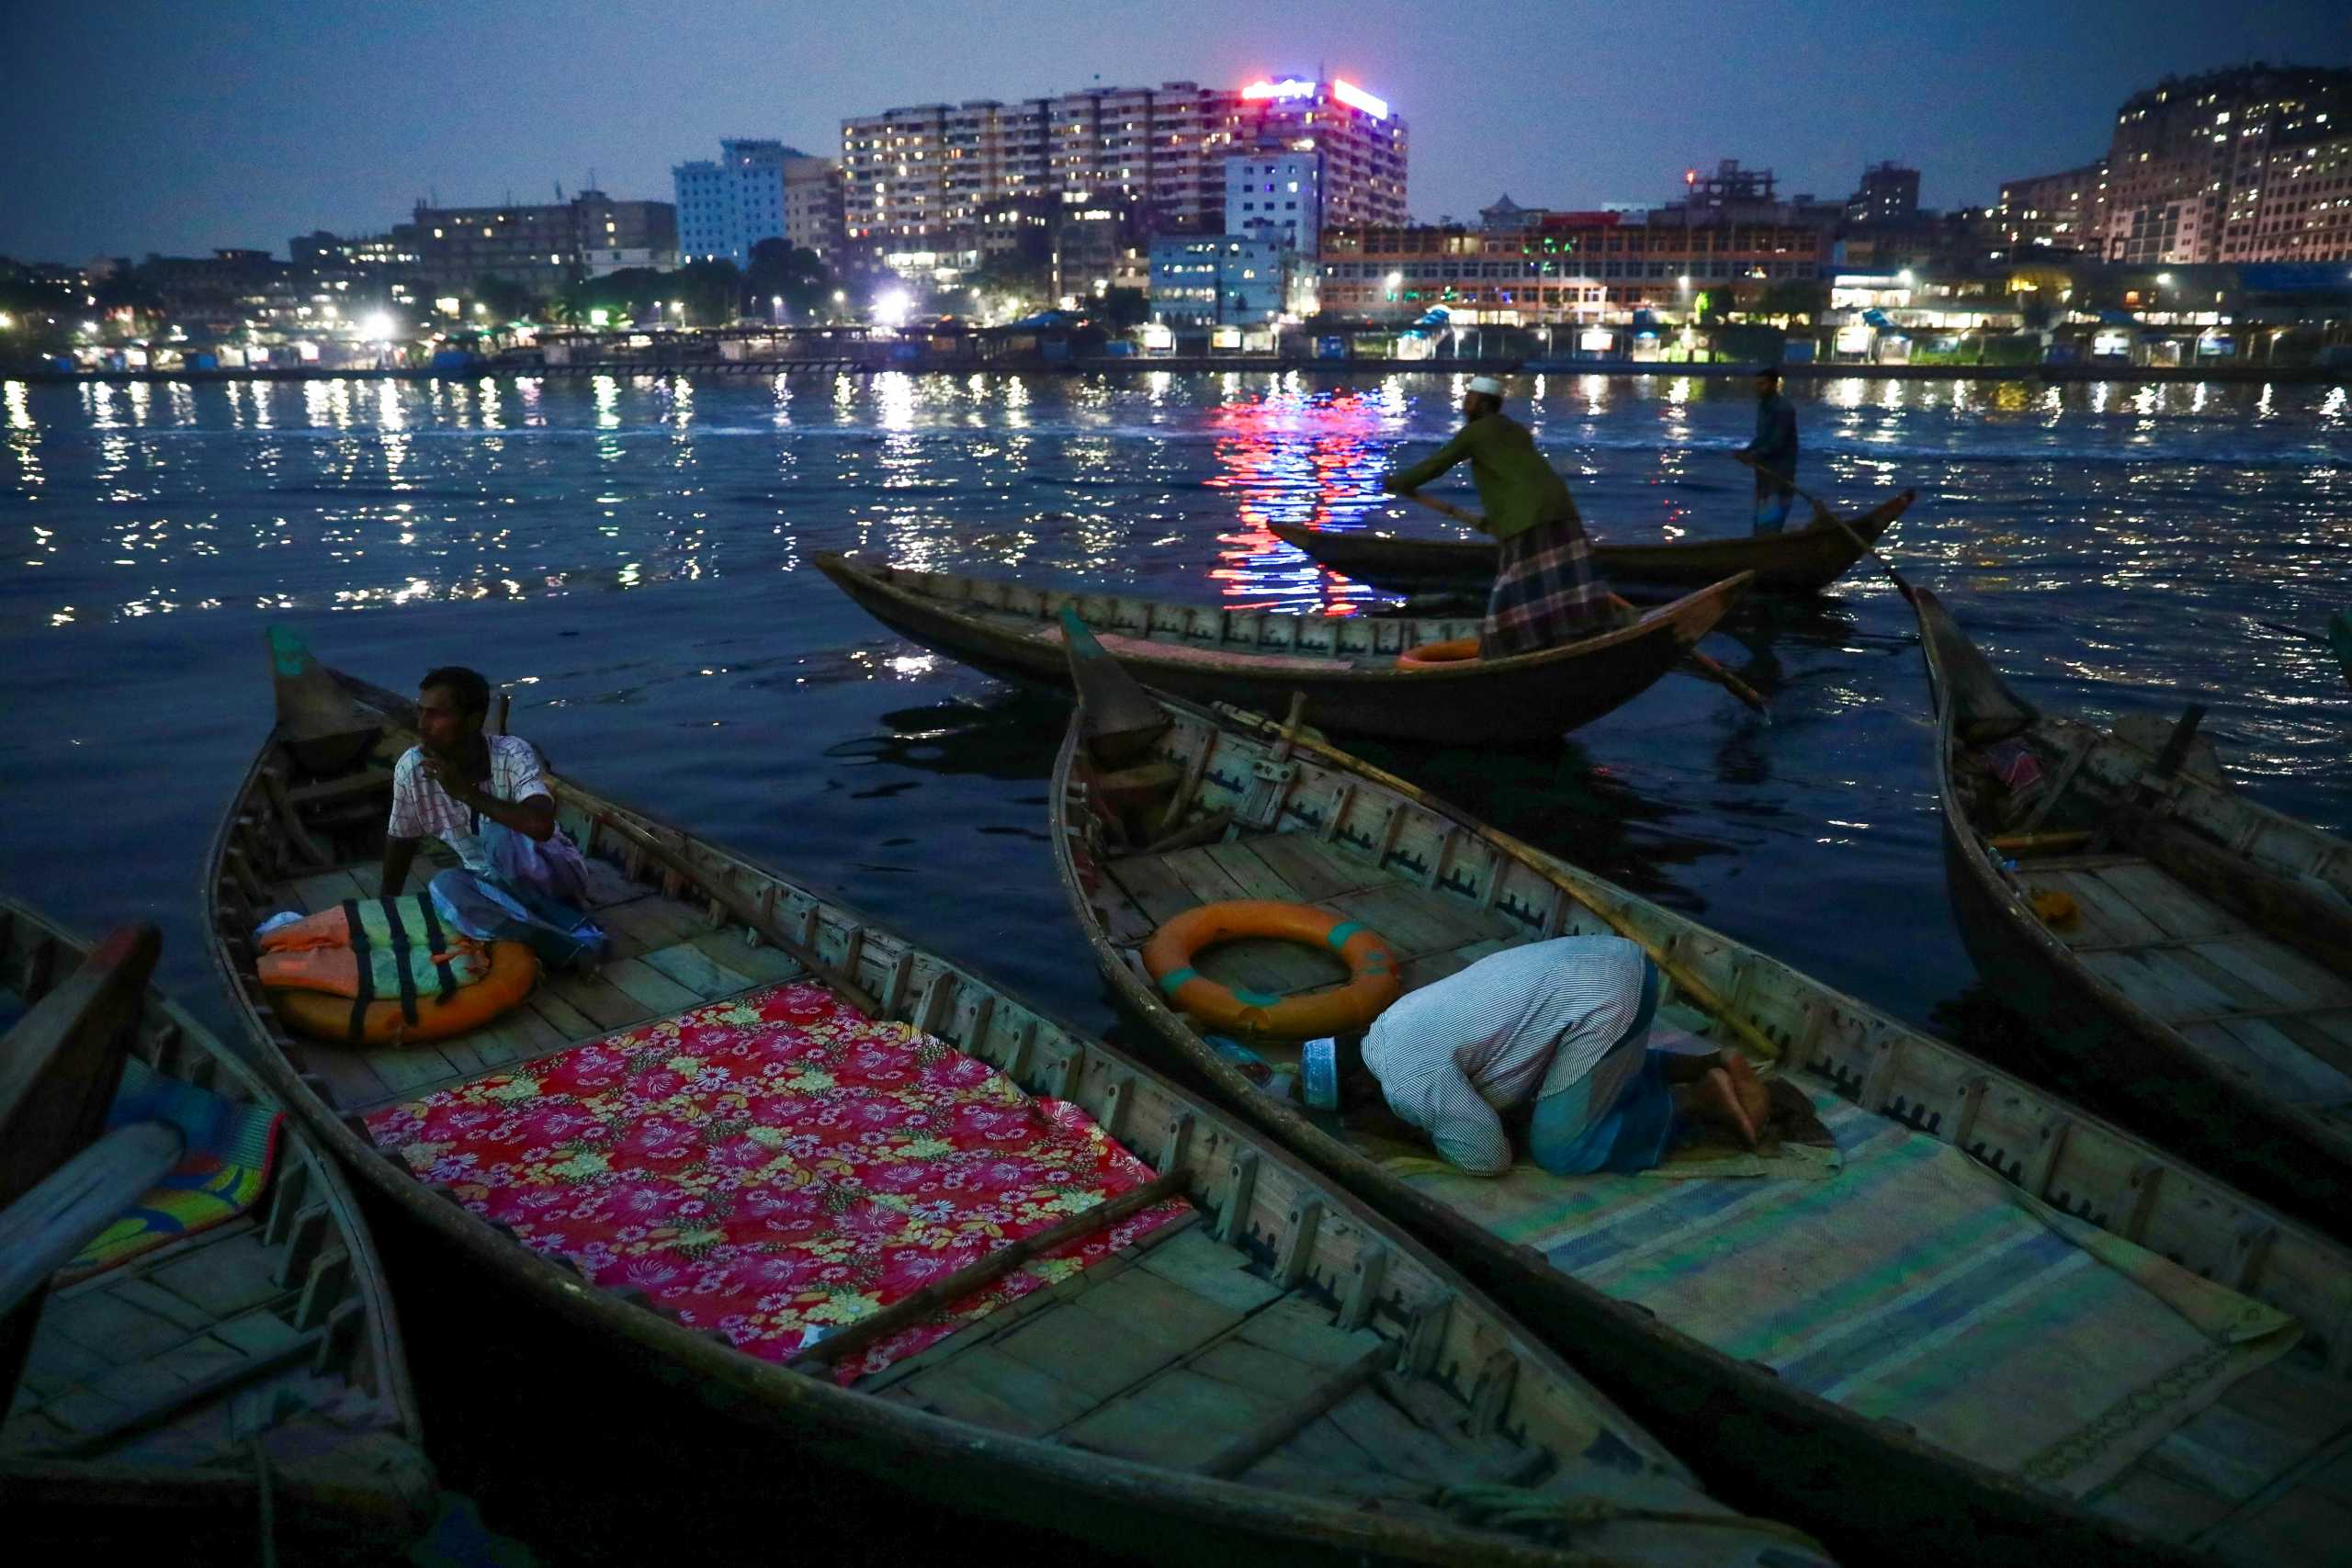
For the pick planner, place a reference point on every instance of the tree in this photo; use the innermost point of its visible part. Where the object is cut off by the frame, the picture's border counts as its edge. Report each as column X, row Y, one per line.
column 504, row 298
column 1124, row 309
column 795, row 273
column 2040, row 294
column 1806, row 296
column 712, row 292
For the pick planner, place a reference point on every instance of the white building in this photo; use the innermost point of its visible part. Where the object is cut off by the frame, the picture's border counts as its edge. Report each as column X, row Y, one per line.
column 1218, row 281
column 1277, row 196
column 758, row 190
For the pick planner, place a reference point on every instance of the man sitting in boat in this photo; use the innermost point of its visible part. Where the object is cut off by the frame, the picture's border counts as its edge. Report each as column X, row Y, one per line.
column 1773, row 453
column 1552, row 1038
column 1544, row 593
column 483, row 796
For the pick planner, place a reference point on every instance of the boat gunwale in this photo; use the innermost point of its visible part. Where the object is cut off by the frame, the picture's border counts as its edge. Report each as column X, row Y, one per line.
column 1462, row 1237
column 315, row 1490
column 782, row 1397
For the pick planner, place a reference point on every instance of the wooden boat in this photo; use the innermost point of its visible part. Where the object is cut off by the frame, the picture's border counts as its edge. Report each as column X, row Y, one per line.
column 1111, row 1406
column 2339, row 638
column 1271, row 814
column 1344, row 665
column 1800, row 560
column 2190, row 961
column 246, row 1381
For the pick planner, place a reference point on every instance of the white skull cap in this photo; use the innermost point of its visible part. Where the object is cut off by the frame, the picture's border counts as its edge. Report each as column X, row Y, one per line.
column 1489, row 385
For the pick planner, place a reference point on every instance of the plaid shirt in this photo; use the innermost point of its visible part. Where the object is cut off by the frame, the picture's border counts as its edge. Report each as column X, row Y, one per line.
column 422, row 809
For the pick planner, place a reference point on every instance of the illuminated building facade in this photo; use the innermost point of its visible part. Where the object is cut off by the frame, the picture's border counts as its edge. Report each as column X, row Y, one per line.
column 921, row 179
column 1574, row 267
column 2051, row 211
column 1218, row 281
column 757, row 190
column 1275, row 196
column 541, row 247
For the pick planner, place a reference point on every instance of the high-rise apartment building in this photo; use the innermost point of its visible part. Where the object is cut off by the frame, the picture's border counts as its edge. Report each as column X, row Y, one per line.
column 757, row 190
column 2051, row 211
column 924, row 178
column 1889, row 194
column 2242, row 164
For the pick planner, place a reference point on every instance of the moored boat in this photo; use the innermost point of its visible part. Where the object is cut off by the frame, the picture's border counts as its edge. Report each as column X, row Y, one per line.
column 223, row 1362
column 1344, row 666
column 1770, row 1321
column 882, row 1211
column 2184, row 954
column 1799, row 560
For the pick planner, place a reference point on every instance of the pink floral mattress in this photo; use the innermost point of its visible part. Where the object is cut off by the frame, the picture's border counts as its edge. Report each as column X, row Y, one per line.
column 773, row 1167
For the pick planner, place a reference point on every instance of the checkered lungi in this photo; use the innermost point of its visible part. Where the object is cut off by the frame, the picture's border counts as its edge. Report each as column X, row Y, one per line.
column 1545, row 592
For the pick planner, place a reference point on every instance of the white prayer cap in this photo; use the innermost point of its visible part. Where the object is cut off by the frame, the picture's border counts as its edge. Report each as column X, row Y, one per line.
column 1489, row 385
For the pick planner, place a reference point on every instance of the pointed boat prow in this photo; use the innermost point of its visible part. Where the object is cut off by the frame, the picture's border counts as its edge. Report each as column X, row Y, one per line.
column 322, row 725
column 1118, row 718
column 1985, row 711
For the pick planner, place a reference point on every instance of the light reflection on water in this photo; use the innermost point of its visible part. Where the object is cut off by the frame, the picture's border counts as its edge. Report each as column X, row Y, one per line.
column 2115, row 547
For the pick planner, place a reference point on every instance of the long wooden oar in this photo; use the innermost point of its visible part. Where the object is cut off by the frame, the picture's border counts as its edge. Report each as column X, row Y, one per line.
column 1822, row 513
column 1693, row 657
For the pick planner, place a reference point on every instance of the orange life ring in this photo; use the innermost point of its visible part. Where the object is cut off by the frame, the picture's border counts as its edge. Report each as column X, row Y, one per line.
column 1436, row 655
column 513, row 970
column 1339, row 1009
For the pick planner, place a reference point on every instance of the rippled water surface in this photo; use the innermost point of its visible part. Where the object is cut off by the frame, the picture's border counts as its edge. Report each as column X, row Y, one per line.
column 633, row 557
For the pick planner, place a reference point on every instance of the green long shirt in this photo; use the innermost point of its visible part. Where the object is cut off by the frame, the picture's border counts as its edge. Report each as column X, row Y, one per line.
column 1517, row 489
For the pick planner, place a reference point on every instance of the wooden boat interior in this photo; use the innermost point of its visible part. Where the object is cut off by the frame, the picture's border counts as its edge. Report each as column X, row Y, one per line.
column 253, row 1357
column 1277, row 1339
column 2226, row 922
column 1230, row 805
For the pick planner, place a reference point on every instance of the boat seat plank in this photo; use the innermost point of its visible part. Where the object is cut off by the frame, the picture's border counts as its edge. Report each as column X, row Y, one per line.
column 989, row 1388
column 2280, row 974
column 326, row 888
column 2266, row 1056
column 643, row 924
column 1303, row 1330
column 690, row 966
column 1250, row 873
column 350, row 1081
column 2325, row 1033
column 1209, row 881
column 648, row 985
column 2162, row 988
column 1123, row 920
column 2175, row 909
column 1159, row 892
column 103, row 1322
column 1414, row 1449
column 1269, row 965
column 516, row 1036
column 2232, row 1451
column 2161, row 1502
column 124, row 1283
column 1430, row 967
column 1415, row 920
column 562, row 1016
column 1110, row 1338
column 2106, row 918
column 405, row 1071
column 762, row 963
column 603, row 1004
column 2289, row 1530
column 222, row 1279
column 1183, row 1418
column 2293, row 1395
column 1316, row 869
column 1210, row 1269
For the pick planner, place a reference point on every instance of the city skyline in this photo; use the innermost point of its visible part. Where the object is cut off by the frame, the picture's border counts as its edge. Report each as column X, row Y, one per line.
column 242, row 133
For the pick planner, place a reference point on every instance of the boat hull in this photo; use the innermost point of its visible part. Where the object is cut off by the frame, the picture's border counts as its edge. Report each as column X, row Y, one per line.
column 1802, row 560
column 1523, row 701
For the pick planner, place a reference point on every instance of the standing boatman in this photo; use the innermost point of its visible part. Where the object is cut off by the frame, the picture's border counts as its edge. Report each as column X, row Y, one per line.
column 1544, row 593
column 1773, row 453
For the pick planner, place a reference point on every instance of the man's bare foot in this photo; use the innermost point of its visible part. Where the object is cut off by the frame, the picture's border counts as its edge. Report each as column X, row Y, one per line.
column 1715, row 1098
column 1753, row 1096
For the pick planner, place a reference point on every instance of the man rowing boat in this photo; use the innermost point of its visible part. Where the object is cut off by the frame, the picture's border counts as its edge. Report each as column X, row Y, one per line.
column 1544, row 593
column 1773, row 453
column 1554, row 1036
column 519, row 878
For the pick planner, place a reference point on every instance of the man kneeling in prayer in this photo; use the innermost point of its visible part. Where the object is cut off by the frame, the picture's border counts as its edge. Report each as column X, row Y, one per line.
column 483, row 796
column 1563, row 1024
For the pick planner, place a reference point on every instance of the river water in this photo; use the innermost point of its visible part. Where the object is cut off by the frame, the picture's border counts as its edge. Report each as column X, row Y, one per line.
column 631, row 557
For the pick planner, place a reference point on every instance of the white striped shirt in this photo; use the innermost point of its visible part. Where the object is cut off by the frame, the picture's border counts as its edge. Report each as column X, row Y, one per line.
column 421, row 808
column 1453, row 1055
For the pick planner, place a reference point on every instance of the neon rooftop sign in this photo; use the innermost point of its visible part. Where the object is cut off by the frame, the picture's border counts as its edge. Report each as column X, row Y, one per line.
column 1289, row 87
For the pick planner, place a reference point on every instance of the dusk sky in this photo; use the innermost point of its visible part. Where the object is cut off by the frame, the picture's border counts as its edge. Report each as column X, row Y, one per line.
column 146, row 127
